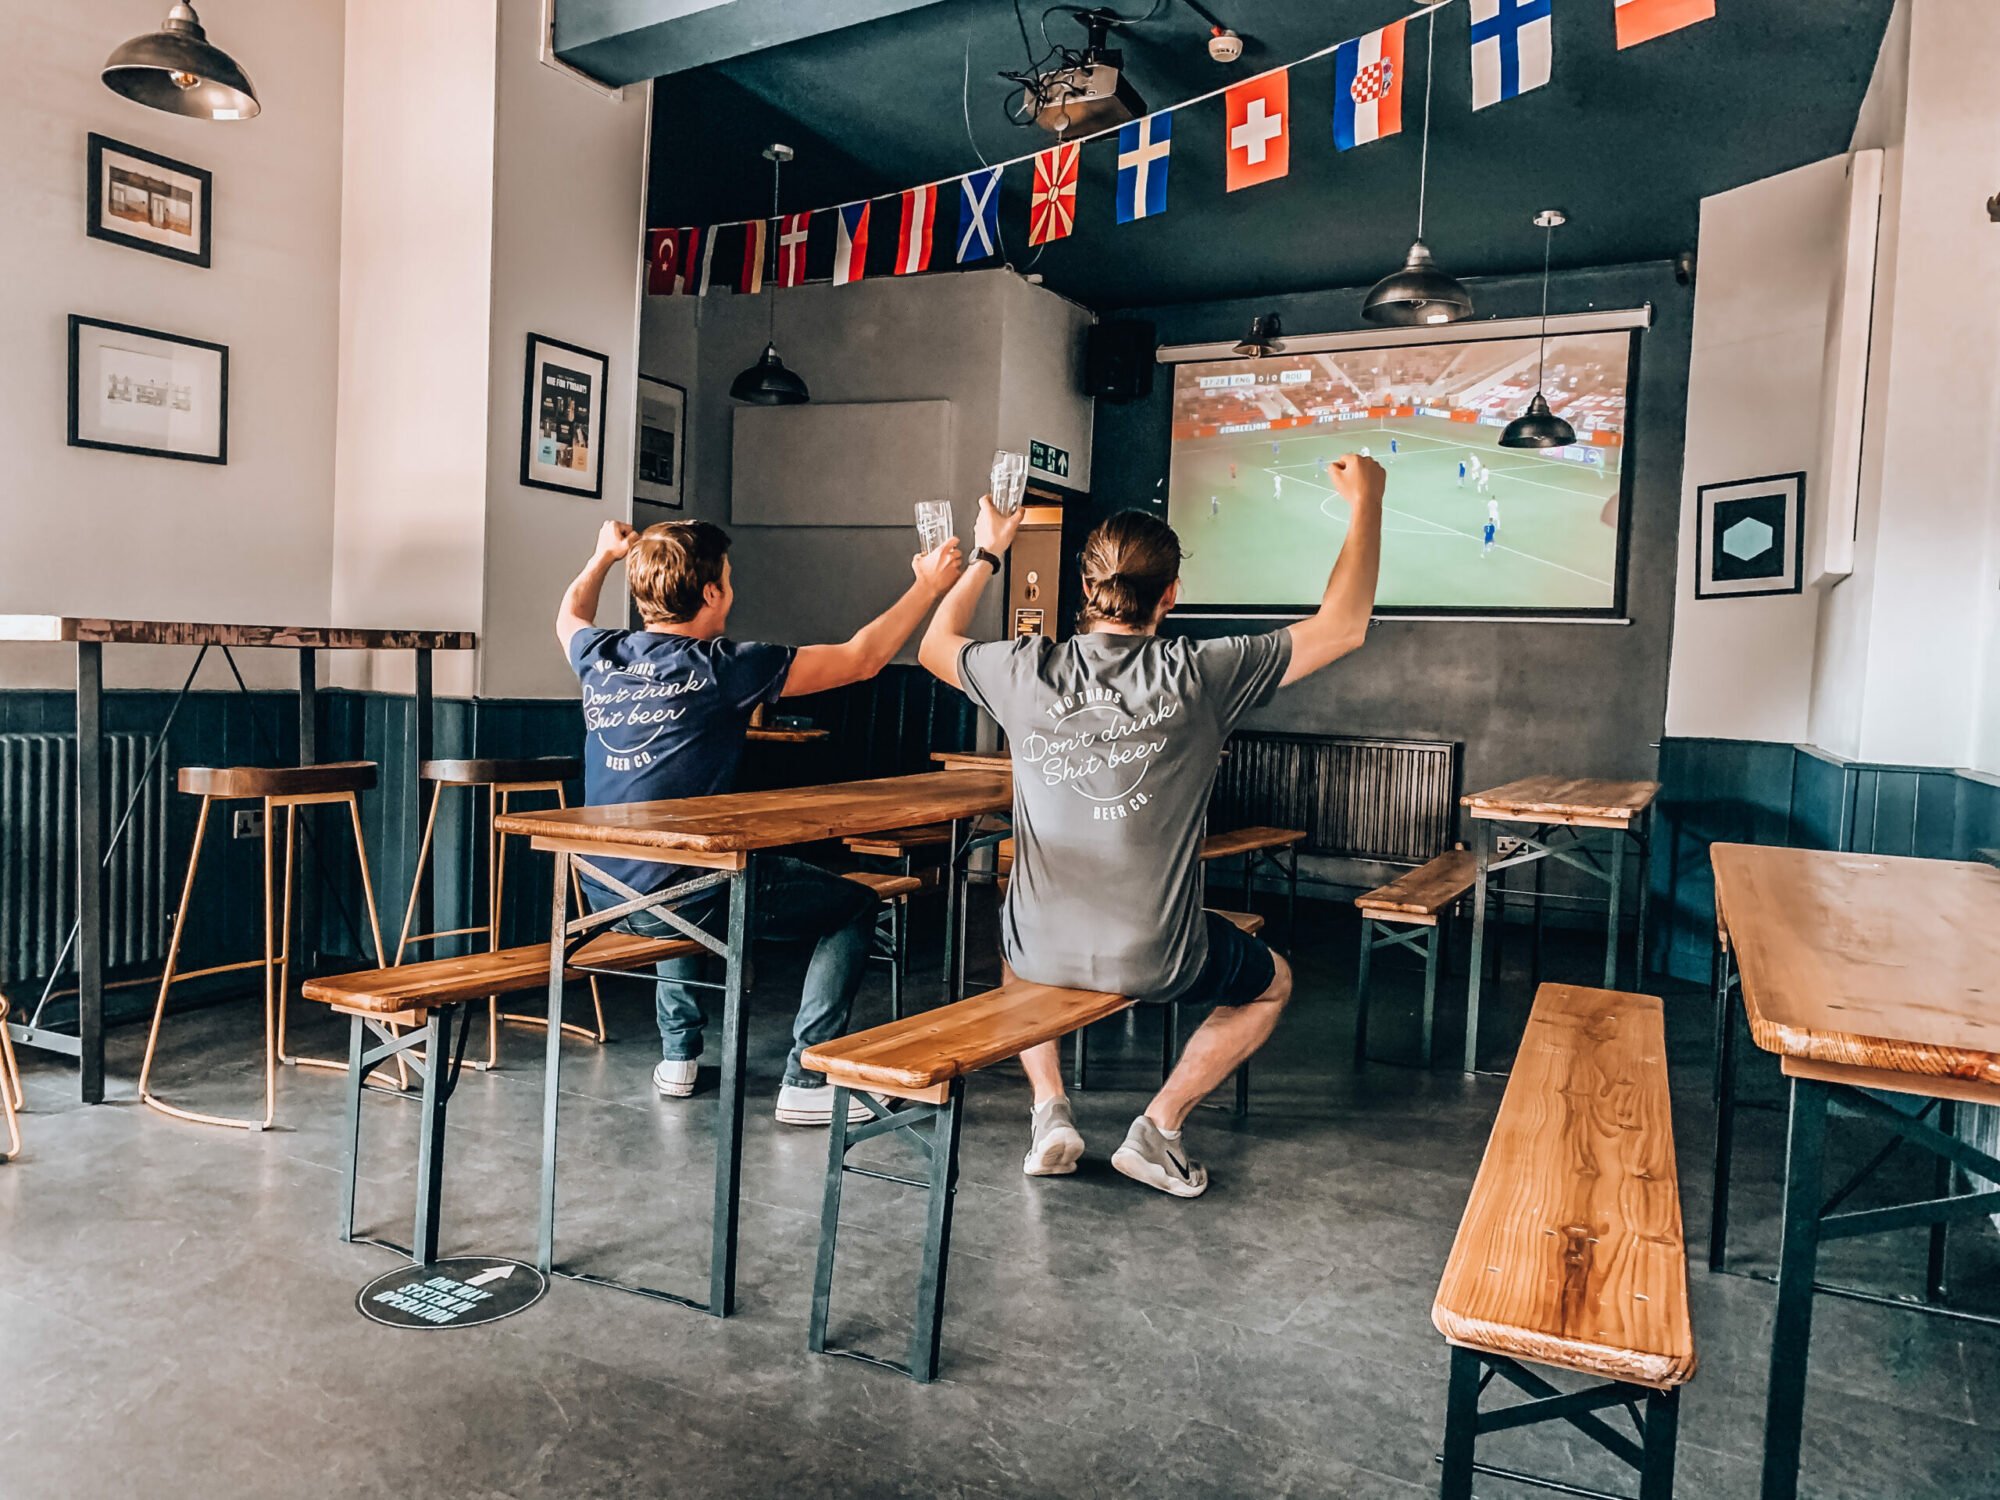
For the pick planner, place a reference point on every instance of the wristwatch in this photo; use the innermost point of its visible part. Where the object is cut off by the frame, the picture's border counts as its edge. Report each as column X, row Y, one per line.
column 980, row 554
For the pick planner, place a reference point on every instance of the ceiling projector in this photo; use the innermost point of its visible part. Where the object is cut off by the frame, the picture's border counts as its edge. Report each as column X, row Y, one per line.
column 1090, row 92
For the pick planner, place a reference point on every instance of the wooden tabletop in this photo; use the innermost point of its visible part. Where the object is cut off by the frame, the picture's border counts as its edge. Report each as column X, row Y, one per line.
column 191, row 633
column 776, row 736
column 1866, row 960
column 974, row 760
column 1563, row 799
column 1571, row 1249
column 739, row 822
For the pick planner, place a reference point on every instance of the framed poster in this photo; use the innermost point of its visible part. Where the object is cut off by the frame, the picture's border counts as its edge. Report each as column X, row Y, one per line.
column 147, row 201
column 1750, row 537
column 661, row 447
column 137, row 390
column 562, row 418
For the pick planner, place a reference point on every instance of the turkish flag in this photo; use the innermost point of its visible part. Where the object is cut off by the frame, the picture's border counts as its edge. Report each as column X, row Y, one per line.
column 1259, row 130
column 663, row 261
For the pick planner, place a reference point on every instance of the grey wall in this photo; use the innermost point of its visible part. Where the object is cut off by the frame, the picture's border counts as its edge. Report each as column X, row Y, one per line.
column 1580, row 699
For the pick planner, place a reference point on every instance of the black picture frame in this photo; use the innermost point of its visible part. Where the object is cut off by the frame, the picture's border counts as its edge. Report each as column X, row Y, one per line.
column 95, row 222
column 536, row 472
column 1787, row 494
column 77, row 439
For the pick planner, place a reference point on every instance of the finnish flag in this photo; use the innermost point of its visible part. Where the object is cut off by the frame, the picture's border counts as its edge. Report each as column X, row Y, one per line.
column 1142, row 167
column 978, row 214
column 1511, row 49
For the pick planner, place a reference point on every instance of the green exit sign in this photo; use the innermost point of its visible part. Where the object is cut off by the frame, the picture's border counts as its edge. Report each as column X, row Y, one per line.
column 1048, row 458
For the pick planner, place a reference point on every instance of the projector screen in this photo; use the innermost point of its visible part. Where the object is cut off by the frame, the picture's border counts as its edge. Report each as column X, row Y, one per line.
column 1249, row 494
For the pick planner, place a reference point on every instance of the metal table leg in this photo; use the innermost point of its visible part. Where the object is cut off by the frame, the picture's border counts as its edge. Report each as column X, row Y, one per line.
column 90, row 869
column 951, row 881
column 545, row 1238
column 309, row 893
column 1644, row 834
column 1725, row 1112
column 1791, row 1331
column 422, row 729
column 1482, row 846
column 1615, row 885
column 729, row 1118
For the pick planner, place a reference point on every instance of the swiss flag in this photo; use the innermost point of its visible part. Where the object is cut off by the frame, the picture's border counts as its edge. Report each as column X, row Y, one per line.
column 1259, row 126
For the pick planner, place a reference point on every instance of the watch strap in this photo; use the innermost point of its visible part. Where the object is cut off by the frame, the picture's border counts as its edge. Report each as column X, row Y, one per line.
column 980, row 554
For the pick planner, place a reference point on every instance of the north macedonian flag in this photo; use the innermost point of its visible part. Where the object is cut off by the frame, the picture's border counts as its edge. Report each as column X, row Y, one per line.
column 1052, row 208
column 1642, row 20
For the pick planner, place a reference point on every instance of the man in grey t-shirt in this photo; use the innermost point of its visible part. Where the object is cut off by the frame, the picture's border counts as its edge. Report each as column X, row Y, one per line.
column 1116, row 735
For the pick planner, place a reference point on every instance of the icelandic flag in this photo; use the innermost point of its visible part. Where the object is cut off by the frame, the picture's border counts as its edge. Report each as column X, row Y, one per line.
column 1642, row 20
column 1368, row 87
column 1142, row 167
column 850, row 243
column 1511, row 49
column 978, row 214
column 913, row 248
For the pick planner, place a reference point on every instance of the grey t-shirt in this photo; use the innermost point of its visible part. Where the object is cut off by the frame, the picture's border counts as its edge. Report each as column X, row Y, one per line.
column 1115, row 740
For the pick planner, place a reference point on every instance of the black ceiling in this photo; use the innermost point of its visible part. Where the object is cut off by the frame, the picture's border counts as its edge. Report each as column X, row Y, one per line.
column 1627, row 142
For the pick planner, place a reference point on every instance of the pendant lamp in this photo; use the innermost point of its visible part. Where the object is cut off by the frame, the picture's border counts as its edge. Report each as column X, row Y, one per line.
column 179, row 70
column 1263, row 337
column 768, row 382
column 1419, row 293
column 1538, row 427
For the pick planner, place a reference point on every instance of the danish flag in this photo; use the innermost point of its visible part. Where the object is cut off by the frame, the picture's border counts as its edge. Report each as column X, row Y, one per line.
column 913, row 247
column 792, row 248
column 1052, row 207
column 1260, row 138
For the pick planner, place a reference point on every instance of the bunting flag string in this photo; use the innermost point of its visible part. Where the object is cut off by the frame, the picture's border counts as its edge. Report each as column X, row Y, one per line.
column 1512, row 53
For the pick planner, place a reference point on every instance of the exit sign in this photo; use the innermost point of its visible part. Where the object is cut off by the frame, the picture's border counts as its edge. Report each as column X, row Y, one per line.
column 1048, row 458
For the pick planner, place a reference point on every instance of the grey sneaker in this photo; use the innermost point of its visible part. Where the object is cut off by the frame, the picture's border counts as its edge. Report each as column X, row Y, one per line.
column 1056, row 1142
column 1149, row 1157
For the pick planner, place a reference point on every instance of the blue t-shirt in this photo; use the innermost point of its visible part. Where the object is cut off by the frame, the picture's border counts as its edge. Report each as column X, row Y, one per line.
column 664, row 716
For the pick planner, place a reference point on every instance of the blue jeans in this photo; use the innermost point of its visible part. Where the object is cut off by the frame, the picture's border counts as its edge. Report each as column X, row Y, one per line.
column 796, row 902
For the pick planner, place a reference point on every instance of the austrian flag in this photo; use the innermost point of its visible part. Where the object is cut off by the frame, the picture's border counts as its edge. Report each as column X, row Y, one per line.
column 1052, row 206
column 1260, row 140
column 1368, row 87
column 1642, row 20
column 913, row 249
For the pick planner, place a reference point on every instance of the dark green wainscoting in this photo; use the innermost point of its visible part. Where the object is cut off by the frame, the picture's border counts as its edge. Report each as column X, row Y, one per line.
column 1753, row 792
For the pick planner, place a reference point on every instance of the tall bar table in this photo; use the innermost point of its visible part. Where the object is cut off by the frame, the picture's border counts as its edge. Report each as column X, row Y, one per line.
column 90, row 637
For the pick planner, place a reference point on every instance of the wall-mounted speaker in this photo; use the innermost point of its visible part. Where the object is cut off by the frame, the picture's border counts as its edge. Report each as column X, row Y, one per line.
column 1118, row 359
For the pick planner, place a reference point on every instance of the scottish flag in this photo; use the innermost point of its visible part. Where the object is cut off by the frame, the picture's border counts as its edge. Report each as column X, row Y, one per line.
column 978, row 214
column 1142, row 167
column 1511, row 49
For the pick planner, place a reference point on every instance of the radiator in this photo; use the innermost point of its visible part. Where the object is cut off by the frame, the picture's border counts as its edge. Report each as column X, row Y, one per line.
column 38, row 854
column 1391, row 800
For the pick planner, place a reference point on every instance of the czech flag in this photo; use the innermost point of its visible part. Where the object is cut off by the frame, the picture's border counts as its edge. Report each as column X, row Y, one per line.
column 850, row 243
column 1642, row 20
column 1368, row 87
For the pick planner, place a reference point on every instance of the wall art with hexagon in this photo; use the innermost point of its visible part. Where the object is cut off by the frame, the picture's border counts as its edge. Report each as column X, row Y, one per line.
column 1749, row 537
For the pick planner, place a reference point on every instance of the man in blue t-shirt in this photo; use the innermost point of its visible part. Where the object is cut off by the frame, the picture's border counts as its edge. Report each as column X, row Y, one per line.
column 665, row 709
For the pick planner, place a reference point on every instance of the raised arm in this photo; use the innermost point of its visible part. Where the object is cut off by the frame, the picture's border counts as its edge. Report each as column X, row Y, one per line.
column 946, row 637
column 819, row 669
column 1341, row 622
column 578, row 610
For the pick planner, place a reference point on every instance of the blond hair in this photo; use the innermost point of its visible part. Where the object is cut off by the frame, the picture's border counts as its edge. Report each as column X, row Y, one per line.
column 670, row 566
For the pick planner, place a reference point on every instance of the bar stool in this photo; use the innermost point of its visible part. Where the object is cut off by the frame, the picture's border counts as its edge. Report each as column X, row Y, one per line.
column 281, row 789
column 503, row 780
column 11, row 1099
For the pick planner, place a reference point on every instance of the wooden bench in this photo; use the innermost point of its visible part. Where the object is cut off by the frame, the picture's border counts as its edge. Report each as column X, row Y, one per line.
column 1412, row 911
column 1570, row 1254
column 920, row 1065
column 892, row 926
column 427, row 996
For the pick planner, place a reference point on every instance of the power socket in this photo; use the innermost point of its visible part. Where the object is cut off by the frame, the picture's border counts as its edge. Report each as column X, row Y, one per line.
column 1504, row 844
column 248, row 823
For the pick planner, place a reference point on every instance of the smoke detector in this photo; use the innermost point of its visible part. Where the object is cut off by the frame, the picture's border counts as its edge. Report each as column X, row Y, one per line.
column 1224, row 45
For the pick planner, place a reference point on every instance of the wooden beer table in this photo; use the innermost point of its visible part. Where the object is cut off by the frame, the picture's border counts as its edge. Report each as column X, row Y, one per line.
column 1867, row 975
column 94, row 850
column 719, row 839
column 1573, row 821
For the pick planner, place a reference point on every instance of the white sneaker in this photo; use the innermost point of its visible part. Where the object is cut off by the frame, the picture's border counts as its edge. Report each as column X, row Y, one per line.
column 1055, row 1141
column 674, row 1077
column 803, row 1106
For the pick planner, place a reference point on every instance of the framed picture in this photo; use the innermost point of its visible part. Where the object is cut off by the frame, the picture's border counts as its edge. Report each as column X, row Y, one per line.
column 661, row 445
column 148, row 201
column 138, row 390
column 562, row 418
column 1750, row 537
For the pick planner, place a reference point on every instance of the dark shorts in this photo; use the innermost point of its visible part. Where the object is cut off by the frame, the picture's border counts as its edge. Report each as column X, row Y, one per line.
column 1239, row 967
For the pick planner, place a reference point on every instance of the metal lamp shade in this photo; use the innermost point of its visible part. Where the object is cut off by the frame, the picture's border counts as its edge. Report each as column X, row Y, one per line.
column 177, row 69
column 1417, row 294
column 1263, row 337
column 1538, row 427
column 769, row 383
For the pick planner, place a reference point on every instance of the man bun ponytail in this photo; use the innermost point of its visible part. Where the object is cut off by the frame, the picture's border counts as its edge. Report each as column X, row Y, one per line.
column 1128, row 564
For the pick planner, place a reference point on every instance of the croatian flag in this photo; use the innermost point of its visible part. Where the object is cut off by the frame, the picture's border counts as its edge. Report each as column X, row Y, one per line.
column 850, row 243
column 1642, row 20
column 1511, row 49
column 1142, row 167
column 978, row 214
column 913, row 249
column 1368, row 87
column 792, row 234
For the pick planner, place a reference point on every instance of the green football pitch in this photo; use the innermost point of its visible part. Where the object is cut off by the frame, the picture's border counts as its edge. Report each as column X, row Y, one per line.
column 1262, row 524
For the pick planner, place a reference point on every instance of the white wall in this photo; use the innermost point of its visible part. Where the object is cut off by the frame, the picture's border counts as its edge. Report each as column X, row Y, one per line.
column 95, row 533
column 1742, row 667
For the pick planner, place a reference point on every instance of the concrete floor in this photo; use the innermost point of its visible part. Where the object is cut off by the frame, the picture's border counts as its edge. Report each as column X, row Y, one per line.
column 177, row 1316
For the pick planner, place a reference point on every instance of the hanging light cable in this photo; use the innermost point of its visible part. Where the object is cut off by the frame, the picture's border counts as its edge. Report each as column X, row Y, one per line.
column 1419, row 292
column 1538, row 427
column 768, row 382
